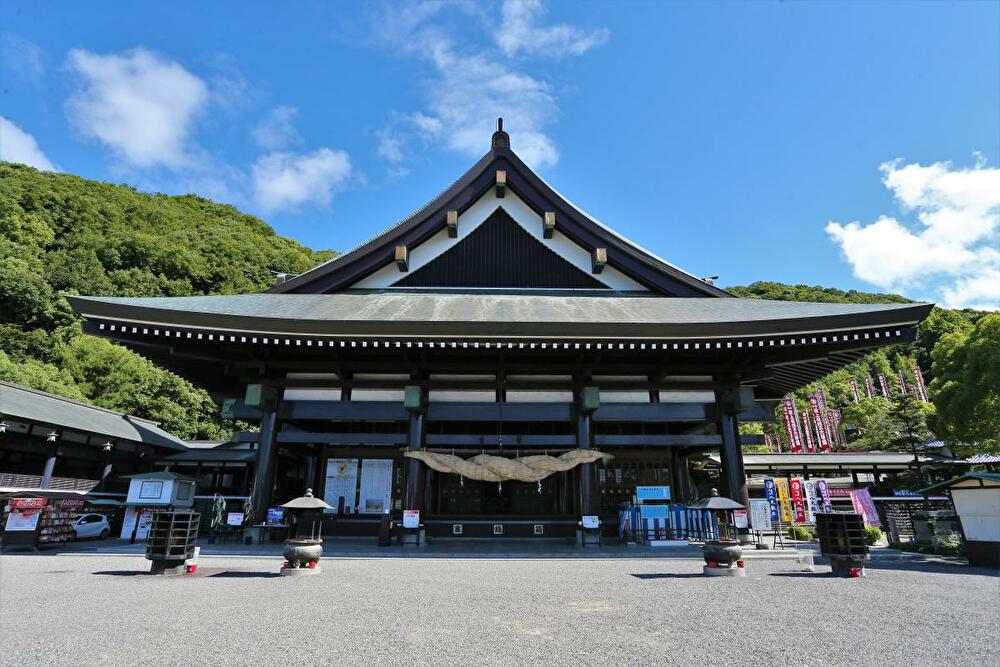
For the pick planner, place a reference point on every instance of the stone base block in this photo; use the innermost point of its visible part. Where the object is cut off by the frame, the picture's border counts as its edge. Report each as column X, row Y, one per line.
column 299, row 571
column 724, row 571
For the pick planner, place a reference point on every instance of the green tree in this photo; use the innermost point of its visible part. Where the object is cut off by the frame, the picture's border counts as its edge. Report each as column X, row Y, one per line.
column 966, row 384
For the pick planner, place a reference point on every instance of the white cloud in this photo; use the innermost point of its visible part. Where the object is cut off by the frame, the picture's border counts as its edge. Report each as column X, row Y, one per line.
column 276, row 129
column 139, row 105
column 519, row 32
column 470, row 86
column 287, row 180
column 951, row 253
column 16, row 145
column 22, row 57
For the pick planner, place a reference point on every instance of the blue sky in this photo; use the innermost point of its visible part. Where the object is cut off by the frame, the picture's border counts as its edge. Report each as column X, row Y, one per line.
column 852, row 145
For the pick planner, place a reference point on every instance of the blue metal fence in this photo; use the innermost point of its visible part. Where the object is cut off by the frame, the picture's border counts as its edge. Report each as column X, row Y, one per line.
column 671, row 522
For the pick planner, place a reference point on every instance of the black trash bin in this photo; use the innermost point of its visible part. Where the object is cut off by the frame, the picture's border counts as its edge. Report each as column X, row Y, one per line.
column 385, row 531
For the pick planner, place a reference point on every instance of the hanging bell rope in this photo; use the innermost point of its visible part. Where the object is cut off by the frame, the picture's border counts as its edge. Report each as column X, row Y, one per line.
column 488, row 468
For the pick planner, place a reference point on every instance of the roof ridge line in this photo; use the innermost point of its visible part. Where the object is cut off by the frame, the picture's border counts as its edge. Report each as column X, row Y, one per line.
column 74, row 401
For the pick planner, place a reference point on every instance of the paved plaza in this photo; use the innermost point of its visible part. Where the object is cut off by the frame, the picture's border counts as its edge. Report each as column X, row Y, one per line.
column 99, row 608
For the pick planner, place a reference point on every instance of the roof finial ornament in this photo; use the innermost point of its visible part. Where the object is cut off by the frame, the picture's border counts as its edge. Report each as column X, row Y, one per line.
column 500, row 138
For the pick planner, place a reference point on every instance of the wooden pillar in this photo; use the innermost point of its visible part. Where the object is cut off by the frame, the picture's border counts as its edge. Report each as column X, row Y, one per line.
column 734, row 478
column 415, row 472
column 678, row 476
column 589, row 500
column 262, row 490
column 415, row 400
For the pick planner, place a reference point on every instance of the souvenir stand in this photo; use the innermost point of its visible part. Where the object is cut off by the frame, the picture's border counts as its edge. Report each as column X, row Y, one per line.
column 35, row 519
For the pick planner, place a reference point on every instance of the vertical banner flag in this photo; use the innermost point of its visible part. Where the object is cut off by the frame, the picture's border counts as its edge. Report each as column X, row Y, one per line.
column 920, row 384
column 807, row 429
column 833, row 422
column 784, row 501
column 824, row 494
column 792, row 426
column 777, row 441
column 824, row 441
column 885, row 385
column 854, row 390
column 772, row 497
column 821, row 395
column 869, row 391
column 809, row 491
column 902, row 382
column 800, row 509
column 767, row 442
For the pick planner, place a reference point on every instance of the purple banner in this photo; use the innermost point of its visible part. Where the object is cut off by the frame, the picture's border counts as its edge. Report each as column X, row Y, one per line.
column 792, row 426
column 824, row 494
column 885, row 385
column 824, row 441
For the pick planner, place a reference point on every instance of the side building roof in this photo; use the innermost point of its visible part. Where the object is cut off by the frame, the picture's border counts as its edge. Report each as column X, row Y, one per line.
column 32, row 405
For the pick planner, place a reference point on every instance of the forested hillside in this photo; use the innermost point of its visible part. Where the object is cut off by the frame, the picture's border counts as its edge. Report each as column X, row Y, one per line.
column 958, row 352
column 60, row 234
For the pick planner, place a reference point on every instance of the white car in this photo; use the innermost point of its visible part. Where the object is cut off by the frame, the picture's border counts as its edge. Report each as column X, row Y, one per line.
column 92, row 525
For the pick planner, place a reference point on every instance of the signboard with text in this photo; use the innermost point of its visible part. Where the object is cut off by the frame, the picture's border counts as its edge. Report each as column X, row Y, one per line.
column 652, row 493
column 411, row 518
column 771, row 493
column 760, row 515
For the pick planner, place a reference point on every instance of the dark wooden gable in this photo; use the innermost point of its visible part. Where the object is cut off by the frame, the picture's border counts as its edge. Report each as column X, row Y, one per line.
column 500, row 253
column 631, row 260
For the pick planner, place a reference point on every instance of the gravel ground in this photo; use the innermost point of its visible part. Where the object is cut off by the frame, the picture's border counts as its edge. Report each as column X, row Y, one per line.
column 95, row 609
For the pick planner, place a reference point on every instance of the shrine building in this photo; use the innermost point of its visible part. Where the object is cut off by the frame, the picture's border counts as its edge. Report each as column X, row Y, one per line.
column 498, row 321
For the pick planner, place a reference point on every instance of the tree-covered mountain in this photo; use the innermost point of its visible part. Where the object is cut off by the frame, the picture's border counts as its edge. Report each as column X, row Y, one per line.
column 60, row 234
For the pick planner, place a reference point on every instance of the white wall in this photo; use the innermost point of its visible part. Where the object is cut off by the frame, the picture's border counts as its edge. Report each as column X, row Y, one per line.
column 979, row 511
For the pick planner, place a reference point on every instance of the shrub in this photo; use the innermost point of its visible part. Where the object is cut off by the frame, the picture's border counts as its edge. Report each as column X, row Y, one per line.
column 872, row 534
column 951, row 545
column 799, row 533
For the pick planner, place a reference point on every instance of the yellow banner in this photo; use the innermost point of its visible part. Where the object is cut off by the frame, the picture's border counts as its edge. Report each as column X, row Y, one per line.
column 784, row 500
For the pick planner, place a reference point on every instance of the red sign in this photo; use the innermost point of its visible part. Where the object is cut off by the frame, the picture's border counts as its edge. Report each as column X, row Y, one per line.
column 920, row 384
column 792, row 426
column 27, row 503
column 824, row 441
column 833, row 421
column 808, row 431
column 869, row 391
column 885, row 385
column 902, row 382
column 800, row 508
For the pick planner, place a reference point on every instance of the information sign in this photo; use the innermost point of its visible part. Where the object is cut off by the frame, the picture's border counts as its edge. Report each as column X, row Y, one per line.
column 760, row 515
column 652, row 493
column 740, row 519
column 275, row 516
column 411, row 518
column 591, row 521
column 234, row 519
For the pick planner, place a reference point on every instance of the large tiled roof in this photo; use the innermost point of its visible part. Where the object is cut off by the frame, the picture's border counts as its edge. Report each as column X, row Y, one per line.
column 407, row 313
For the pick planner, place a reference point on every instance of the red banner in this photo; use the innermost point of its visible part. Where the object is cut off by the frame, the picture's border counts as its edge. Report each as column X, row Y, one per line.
column 885, row 385
column 833, row 421
column 807, row 429
column 797, row 504
column 921, row 389
column 902, row 383
column 792, row 426
column 869, row 390
column 767, row 442
column 854, row 390
column 27, row 503
column 824, row 440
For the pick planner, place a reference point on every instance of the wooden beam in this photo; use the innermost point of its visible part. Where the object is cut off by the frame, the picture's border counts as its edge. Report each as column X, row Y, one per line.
column 344, row 410
column 402, row 257
column 599, row 259
column 305, row 437
column 453, row 224
column 548, row 224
